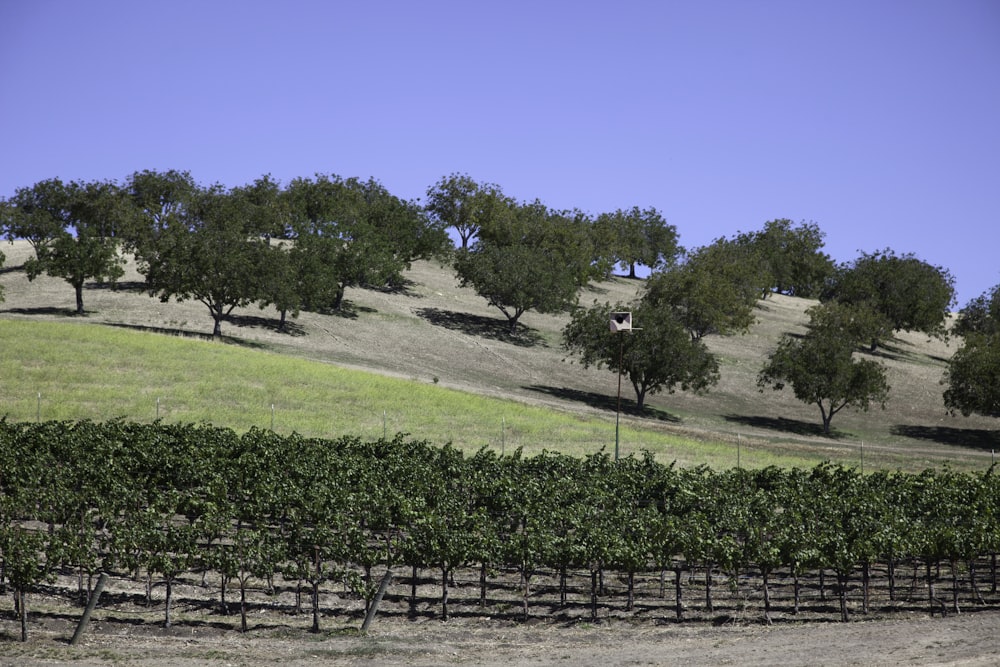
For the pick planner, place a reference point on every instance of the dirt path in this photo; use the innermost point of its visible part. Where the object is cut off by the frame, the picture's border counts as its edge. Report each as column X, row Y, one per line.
column 968, row 639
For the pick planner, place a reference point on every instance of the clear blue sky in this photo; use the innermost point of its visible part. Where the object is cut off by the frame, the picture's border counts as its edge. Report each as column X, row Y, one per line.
column 878, row 121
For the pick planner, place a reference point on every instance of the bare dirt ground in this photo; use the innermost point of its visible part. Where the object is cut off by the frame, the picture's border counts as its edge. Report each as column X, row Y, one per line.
column 968, row 639
column 125, row 631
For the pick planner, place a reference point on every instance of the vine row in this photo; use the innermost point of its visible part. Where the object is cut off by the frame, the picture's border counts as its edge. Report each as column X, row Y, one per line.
column 158, row 502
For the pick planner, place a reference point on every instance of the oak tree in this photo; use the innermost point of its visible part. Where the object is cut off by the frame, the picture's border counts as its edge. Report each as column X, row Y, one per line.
column 73, row 229
column 821, row 369
column 981, row 315
column 792, row 257
column 660, row 357
column 207, row 250
column 973, row 373
column 714, row 289
column 459, row 202
column 912, row 294
column 638, row 236
column 531, row 259
column 36, row 213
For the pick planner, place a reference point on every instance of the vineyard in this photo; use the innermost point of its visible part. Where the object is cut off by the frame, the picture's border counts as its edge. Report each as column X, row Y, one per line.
column 243, row 519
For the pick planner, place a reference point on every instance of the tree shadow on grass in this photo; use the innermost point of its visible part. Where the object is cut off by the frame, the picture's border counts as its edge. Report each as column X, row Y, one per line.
column 47, row 310
column 348, row 310
column 167, row 331
column 272, row 323
column 136, row 286
column 483, row 327
column 402, row 288
column 795, row 426
column 228, row 340
column 604, row 402
column 972, row 438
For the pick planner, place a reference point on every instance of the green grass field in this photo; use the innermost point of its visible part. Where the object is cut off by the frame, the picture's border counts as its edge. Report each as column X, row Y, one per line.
column 71, row 371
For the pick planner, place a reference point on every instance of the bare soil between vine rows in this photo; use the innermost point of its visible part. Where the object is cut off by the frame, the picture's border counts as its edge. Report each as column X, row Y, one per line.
column 124, row 630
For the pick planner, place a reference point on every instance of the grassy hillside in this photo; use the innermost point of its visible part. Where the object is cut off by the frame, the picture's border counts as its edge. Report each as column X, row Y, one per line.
column 434, row 361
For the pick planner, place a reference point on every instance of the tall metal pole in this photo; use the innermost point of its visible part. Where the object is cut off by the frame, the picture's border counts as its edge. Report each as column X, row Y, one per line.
column 618, row 410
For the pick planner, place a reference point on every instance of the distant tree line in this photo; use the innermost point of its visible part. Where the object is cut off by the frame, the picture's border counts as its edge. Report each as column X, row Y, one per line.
column 300, row 246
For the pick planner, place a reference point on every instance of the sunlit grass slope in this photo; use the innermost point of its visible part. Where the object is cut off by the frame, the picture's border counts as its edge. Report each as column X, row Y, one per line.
column 71, row 370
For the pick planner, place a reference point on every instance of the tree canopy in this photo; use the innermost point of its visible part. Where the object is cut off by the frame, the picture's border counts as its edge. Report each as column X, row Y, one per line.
column 637, row 236
column 73, row 229
column 714, row 289
column 205, row 248
column 659, row 357
column 36, row 213
column 973, row 377
column 530, row 258
column 910, row 293
column 981, row 315
column 821, row 368
column 459, row 202
column 973, row 373
column 349, row 233
column 792, row 257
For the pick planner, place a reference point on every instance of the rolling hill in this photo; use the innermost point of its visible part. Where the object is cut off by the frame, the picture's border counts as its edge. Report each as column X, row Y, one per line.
column 434, row 334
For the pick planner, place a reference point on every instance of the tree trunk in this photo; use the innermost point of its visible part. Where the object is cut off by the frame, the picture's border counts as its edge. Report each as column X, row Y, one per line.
column 679, row 604
column 842, row 594
column 482, row 585
column 796, row 588
column 865, row 581
column 993, row 573
column 562, row 586
column 79, row 298
column 315, row 607
column 630, row 605
column 217, row 328
column 593, row 594
column 413, row 592
column 977, row 596
column 708, row 587
column 444, row 593
column 764, row 572
column 222, row 595
column 826, row 422
column 954, row 586
column 930, row 590
column 243, row 604
column 892, row 579
column 22, row 605
column 169, row 596
column 527, row 592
